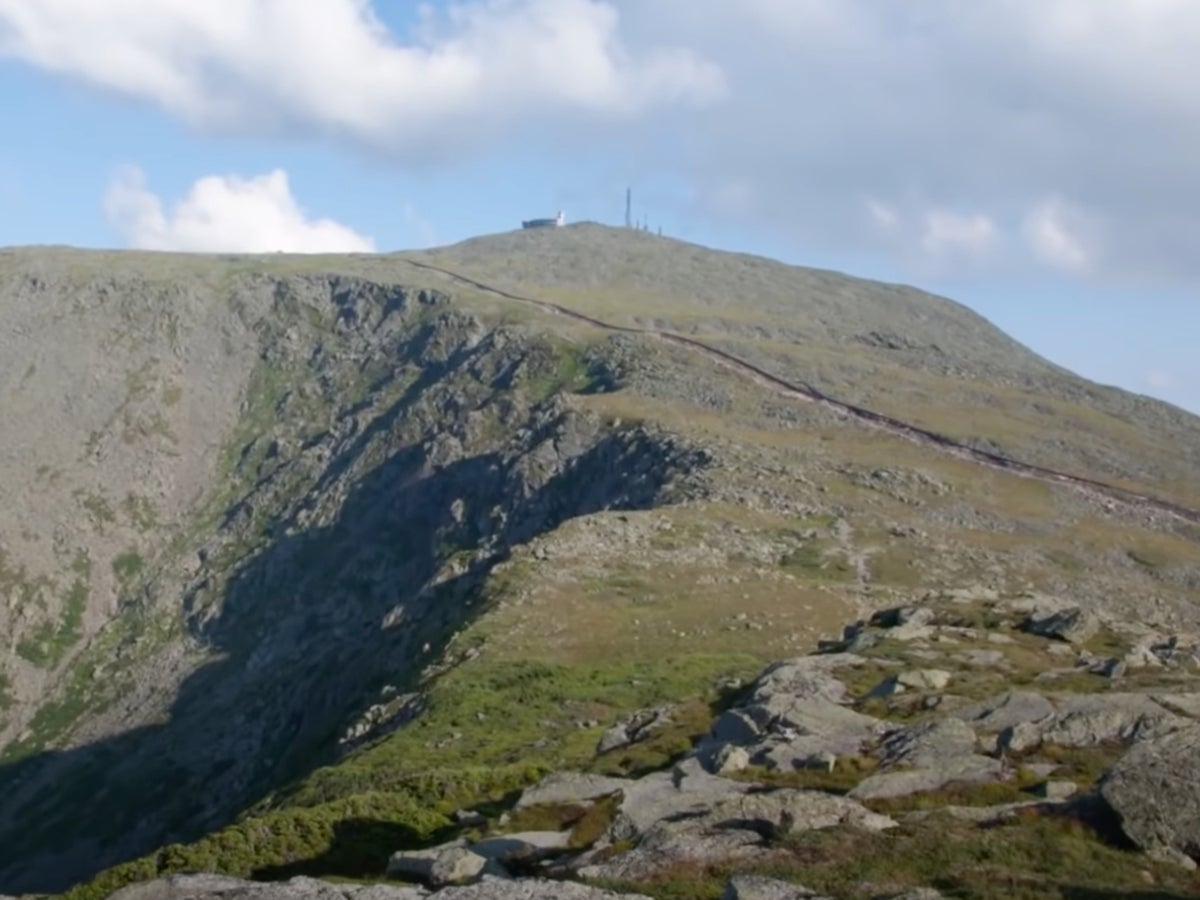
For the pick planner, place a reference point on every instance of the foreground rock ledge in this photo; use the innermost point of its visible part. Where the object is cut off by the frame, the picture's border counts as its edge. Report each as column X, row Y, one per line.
column 1155, row 789
column 214, row 887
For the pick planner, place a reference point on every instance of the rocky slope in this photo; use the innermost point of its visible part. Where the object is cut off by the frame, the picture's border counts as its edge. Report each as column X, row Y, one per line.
column 344, row 545
column 974, row 742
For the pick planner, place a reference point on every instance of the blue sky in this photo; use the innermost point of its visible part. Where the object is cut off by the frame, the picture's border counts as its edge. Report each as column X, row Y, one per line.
column 1034, row 159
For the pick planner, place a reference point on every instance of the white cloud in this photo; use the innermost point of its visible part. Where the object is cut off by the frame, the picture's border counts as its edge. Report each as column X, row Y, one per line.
column 1054, row 231
column 942, row 104
column 329, row 67
column 948, row 232
column 225, row 214
column 884, row 216
column 1156, row 378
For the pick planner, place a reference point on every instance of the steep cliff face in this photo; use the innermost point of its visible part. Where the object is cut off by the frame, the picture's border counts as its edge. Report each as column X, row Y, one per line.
column 328, row 537
column 382, row 452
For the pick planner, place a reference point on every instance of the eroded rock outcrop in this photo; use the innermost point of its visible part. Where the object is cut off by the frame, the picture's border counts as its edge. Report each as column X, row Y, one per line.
column 1155, row 790
column 215, row 887
column 754, row 887
column 926, row 757
column 796, row 715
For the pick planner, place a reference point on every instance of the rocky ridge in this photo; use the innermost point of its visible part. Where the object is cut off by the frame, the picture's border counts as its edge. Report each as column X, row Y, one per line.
column 813, row 746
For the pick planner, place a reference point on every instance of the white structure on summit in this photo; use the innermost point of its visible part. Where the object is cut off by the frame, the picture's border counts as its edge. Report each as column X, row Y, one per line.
column 557, row 222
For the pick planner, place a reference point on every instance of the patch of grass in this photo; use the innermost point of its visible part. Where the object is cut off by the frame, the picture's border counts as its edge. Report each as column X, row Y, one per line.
column 1107, row 643
column 594, row 823
column 1064, row 560
column 139, row 383
column 981, row 615
column 520, row 718
column 349, row 838
column 961, row 793
column 1035, row 857
column 1072, row 682
column 818, row 561
column 140, row 512
column 269, row 383
column 551, row 817
column 127, row 567
column 139, row 427
column 689, row 722
column 1083, row 765
column 682, row 881
column 896, row 566
column 17, row 585
column 99, row 510
column 172, row 394
column 1148, row 557
column 861, row 680
column 46, row 645
column 556, row 367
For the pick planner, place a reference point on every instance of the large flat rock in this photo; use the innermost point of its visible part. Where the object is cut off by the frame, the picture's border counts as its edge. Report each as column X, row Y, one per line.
column 1155, row 790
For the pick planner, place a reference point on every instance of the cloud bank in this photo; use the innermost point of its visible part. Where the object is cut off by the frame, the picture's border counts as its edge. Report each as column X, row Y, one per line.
column 1012, row 135
column 225, row 214
column 331, row 68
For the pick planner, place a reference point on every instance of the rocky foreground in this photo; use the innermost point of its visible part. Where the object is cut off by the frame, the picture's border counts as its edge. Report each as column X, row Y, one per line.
column 971, row 719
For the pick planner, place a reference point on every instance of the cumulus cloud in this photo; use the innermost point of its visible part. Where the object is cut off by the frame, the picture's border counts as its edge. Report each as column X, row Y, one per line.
column 330, row 67
column 225, row 214
column 950, row 232
column 1056, row 234
column 1156, row 378
column 884, row 216
column 995, row 107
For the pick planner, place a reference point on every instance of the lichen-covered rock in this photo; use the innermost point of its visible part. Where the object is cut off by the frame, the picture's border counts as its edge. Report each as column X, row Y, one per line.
column 914, row 679
column 756, row 887
column 218, row 887
column 523, row 846
column 897, row 617
column 687, row 790
column 926, row 757
column 1058, row 790
column 570, row 787
column 795, row 714
column 1155, row 791
column 1089, row 720
column 634, row 729
column 738, row 827
column 730, row 759
column 1073, row 625
column 530, row 889
column 1006, row 710
column 784, row 812
column 445, row 865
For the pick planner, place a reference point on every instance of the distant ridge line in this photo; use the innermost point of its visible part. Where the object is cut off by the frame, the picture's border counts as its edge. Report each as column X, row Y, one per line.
column 880, row 421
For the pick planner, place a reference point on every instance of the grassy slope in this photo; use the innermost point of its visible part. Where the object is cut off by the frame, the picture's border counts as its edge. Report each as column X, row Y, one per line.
column 952, row 371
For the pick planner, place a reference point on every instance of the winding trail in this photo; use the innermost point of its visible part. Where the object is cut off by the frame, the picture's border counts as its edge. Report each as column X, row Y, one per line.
column 868, row 417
